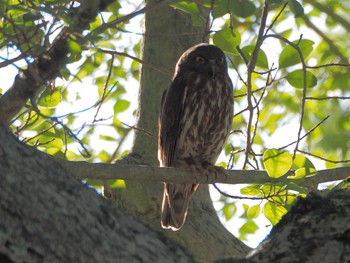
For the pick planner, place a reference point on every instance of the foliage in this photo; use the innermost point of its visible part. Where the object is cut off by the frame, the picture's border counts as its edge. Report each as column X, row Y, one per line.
column 58, row 121
column 288, row 62
column 284, row 75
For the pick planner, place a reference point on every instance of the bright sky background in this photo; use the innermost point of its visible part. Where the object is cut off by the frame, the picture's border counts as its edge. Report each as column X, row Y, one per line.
column 89, row 94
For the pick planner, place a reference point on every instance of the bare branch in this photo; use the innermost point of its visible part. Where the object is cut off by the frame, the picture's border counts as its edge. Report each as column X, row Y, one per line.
column 250, row 70
column 84, row 170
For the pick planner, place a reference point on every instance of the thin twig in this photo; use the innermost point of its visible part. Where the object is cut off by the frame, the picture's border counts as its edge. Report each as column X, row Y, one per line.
column 306, row 134
column 140, row 130
column 324, row 159
column 112, row 52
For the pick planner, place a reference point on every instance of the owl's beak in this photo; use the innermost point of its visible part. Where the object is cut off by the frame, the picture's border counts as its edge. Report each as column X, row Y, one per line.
column 213, row 67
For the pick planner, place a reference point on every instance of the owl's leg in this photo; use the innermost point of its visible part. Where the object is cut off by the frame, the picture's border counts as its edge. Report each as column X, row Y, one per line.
column 212, row 169
column 188, row 163
column 196, row 168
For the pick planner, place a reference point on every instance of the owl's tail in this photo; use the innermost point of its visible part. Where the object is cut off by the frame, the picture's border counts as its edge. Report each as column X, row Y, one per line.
column 176, row 198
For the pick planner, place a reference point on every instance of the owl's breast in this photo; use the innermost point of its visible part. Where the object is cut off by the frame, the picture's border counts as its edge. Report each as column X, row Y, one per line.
column 206, row 119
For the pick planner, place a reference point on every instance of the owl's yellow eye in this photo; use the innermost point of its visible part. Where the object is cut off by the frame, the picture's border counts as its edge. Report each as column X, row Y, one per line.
column 200, row 59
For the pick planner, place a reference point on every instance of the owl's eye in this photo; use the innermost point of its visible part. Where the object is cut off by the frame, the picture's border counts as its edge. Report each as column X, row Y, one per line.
column 200, row 59
column 221, row 60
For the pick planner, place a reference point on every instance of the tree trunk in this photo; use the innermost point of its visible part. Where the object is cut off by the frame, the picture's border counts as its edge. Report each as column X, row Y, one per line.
column 169, row 33
column 48, row 216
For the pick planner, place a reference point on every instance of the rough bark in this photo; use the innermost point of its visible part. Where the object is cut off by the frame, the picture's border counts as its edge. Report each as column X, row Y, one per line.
column 48, row 216
column 316, row 229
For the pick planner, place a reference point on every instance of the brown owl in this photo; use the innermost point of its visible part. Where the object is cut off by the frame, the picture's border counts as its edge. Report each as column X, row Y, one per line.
column 194, row 121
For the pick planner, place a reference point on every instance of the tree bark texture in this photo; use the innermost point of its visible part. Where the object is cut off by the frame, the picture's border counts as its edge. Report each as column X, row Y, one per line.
column 48, row 216
column 317, row 229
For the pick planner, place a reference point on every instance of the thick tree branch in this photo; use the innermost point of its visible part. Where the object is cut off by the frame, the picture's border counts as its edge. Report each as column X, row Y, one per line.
column 85, row 170
column 48, row 216
column 47, row 66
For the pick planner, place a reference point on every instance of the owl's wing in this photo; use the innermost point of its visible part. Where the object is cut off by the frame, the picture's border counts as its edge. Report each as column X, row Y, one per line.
column 169, row 120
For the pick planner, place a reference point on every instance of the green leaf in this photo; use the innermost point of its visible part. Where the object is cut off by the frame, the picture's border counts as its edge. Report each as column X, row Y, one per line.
column 253, row 211
column 277, row 163
column 220, row 8
column 302, row 172
column 107, row 138
column 301, row 161
column 187, row 7
column 51, row 141
column 242, row 8
column 248, row 228
column 229, row 210
column 74, row 47
column 251, row 190
column 50, row 99
column 118, row 183
column 192, row 9
column 297, row 188
column 296, row 79
column 296, row 8
column 227, row 39
column 262, row 61
column 103, row 156
column 290, row 56
column 121, row 105
column 274, row 212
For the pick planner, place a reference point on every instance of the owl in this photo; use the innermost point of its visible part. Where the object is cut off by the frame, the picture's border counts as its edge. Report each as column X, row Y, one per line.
column 194, row 122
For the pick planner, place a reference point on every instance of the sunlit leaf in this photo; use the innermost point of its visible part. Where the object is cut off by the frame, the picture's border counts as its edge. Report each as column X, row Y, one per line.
column 190, row 8
column 261, row 62
column 229, row 210
column 290, row 56
column 301, row 161
column 121, row 105
column 296, row 79
column 295, row 187
column 277, row 162
column 74, row 46
column 103, row 156
column 186, row 6
column 50, row 99
column 274, row 212
column 250, row 227
column 302, row 172
column 118, row 183
column 251, row 190
column 253, row 211
column 227, row 39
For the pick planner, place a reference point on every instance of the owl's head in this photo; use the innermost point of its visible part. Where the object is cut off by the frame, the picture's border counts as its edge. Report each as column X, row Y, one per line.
column 203, row 58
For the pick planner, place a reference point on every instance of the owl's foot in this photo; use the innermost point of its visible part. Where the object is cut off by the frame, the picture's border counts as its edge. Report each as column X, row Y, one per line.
column 204, row 169
column 215, row 170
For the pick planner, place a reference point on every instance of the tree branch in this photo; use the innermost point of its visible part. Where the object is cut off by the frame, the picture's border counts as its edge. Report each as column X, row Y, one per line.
column 46, row 66
column 84, row 170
